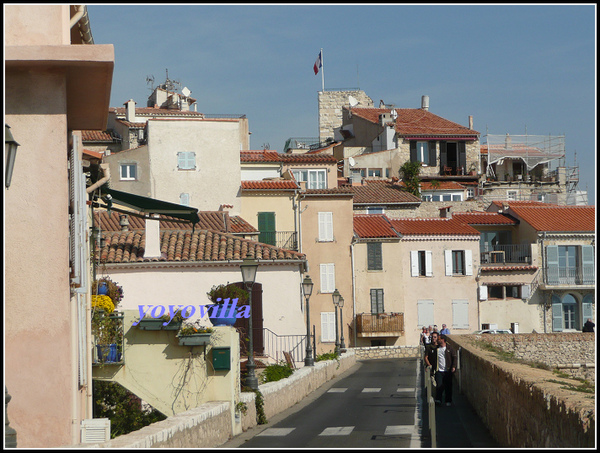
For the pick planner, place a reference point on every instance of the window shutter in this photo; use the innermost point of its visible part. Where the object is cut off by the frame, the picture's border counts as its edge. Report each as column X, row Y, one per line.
column 327, row 277
column 448, row 262
column 432, row 151
column 180, row 160
column 557, row 314
column 413, row 151
column 587, row 263
column 443, row 156
column 414, row 263
column 525, row 291
column 429, row 263
column 374, row 261
column 184, row 199
column 460, row 314
column 425, row 312
column 462, row 155
column 377, row 301
column 468, row 262
column 587, row 309
column 552, row 275
column 328, row 326
column 483, row 292
column 78, row 220
column 325, row 226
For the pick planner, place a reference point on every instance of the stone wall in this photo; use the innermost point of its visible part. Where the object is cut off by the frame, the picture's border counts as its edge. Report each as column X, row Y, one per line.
column 386, row 352
column 519, row 404
column 330, row 109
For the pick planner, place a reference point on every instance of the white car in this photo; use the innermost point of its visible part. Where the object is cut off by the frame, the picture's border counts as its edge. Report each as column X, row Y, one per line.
column 492, row 331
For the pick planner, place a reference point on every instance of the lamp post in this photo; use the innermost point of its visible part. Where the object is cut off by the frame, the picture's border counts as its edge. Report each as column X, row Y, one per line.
column 341, row 304
column 249, row 267
column 307, row 287
column 336, row 300
column 10, row 151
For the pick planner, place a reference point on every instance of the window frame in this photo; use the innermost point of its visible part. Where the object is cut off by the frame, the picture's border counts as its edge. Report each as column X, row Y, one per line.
column 128, row 166
column 379, row 301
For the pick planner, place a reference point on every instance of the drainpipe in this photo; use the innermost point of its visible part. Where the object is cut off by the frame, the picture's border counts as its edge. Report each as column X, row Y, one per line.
column 78, row 15
column 353, row 290
column 100, row 182
column 543, row 279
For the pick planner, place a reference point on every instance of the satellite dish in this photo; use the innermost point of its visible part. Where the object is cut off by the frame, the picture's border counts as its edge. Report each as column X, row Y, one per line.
column 351, row 161
column 352, row 100
column 394, row 114
column 186, row 92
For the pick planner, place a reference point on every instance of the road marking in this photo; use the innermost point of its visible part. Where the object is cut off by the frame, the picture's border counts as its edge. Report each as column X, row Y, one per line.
column 395, row 430
column 371, row 390
column 406, row 389
column 337, row 390
column 337, row 431
column 276, row 432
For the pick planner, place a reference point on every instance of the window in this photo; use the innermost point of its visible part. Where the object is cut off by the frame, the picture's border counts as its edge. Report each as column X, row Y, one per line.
column 426, row 197
column 325, row 226
column 570, row 265
column 374, row 256
column 377, row 301
column 421, row 263
column 327, row 278
column 460, row 314
column 496, row 292
column 511, row 195
column 314, row 179
column 375, row 172
column 186, row 161
column 327, row 326
column 513, row 291
column 184, row 199
column 425, row 312
column 375, row 210
column 128, row 172
column 422, row 152
column 266, row 227
column 459, row 262
column 470, row 193
column 457, row 197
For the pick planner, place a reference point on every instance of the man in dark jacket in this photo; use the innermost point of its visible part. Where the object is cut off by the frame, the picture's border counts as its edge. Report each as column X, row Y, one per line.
column 445, row 368
column 431, row 352
column 588, row 326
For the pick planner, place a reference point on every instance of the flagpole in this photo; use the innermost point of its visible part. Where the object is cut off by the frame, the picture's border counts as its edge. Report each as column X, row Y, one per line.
column 322, row 72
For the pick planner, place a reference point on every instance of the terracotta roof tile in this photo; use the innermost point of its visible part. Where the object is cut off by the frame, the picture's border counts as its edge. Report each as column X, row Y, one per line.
column 417, row 122
column 383, row 192
column 373, row 226
column 270, row 185
column 155, row 111
column 239, row 225
column 557, row 218
column 96, row 136
column 130, row 124
column 433, row 226
column 340, row 190
column 275, row 157
column 484, row 218
column 528, row 267
column 184, row 245
column 444, row 185
column 501, row 204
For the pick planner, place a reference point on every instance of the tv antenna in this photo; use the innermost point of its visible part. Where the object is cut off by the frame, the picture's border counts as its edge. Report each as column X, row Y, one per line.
column 171, row 85
column 150, row 81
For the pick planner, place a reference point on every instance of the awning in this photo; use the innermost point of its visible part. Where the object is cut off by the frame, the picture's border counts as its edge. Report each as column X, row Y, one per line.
column 452, row 138
column 152, row 206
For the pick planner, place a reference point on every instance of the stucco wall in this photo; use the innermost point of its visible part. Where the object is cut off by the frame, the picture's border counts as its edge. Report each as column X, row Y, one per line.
column 141, row 185
column 279, row 203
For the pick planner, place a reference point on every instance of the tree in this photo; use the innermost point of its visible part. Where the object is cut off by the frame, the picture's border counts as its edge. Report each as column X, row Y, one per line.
column 409, row 172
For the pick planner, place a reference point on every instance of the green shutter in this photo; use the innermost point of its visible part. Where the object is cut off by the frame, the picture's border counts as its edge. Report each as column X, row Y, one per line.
column 557, row 314
column 587, row 263
column 461, row 156
column 552, row 275
column 374, row 261
column 587, row 307
column 266, row 226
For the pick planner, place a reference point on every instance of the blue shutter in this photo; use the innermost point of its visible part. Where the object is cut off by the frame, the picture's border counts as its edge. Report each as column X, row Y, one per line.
column 587, row 308
column 552, row 275
column 557, row 314
column 587, row 263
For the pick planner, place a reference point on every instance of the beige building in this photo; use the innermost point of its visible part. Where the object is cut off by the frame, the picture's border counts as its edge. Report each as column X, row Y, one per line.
column 57, row 82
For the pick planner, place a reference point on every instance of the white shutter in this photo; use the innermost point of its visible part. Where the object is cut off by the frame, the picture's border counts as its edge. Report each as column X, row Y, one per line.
column 331, row 275
column 78, row 222
column 414, row 263
column 425, row 312
column 325, row 226
column 327, row 277
column 460, row 314
column 483, row 292
column 525, row 291
column 327, row 326
column 448, row 262
column 184, row 199
column 468, row 262
column 429, row 263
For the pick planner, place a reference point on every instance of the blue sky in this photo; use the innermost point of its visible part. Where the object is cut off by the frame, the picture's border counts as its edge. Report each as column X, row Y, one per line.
column 516, row 69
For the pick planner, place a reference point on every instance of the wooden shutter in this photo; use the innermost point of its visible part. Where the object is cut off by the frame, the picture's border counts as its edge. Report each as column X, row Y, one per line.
column 327, row 277
column 587, row 309
column 327, row 326
column 425, row 312
column 374, row 258
column 552, row 274
column 587, row 264
column 377, row 301
column 448, row 262
column 460, row 314
column 325, row 226
column 483, row 292
column 525, row 292
column 266, row 227
column 428, row 263
column 461, row 155
column 413, row 151
column 443, row 157
column 468, row 262
column 432, row 161
column 414, row 263
column 557, row 314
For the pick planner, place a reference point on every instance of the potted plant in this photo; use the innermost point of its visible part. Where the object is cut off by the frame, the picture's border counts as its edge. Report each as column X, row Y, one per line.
column 194, row 334
column 107, row 328
column 226, row 296
column 150, row 323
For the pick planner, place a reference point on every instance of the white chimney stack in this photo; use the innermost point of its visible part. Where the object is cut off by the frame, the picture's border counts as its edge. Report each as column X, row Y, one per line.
column 471, row 122
column 152, row 249
column 130, row 113
column 425, row 103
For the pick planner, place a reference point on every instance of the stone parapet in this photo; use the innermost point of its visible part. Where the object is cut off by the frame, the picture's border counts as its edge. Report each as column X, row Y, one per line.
column 387, row 352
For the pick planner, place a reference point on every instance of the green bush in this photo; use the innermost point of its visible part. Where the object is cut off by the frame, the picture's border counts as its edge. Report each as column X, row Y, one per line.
column 327, row 356
column 276, row 372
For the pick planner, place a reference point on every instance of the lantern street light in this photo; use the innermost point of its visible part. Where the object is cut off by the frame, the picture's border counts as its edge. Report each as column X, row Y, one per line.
column 336, row 300
column 10, row 151
column 307, row 287
column 341, row 304
column 249, row 267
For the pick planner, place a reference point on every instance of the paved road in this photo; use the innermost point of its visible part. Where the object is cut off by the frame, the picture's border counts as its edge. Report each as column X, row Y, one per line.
column 376, row 404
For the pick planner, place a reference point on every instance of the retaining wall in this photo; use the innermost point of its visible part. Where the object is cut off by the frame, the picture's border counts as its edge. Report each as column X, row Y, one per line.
column 518, row 403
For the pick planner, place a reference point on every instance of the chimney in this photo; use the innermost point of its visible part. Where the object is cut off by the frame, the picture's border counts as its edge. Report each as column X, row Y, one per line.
column 425, row 103
column 152, row 249
column 130, row 115
column 446, row 213
column 471, row 122
column 507, row 142
column 124, row 222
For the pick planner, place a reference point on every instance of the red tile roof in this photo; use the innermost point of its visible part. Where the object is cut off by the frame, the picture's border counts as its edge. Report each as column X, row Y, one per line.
column 155, row 111
column 500, row 204
column 417, row 122
column 270, row 185
column 373, row 226
column 484, row 218
column 527, row 267
column 382, row 192
column 239, row 225
column 94, row 154
column 130, row 124
column 185, row 245
column 340, row 190
column 275, row 157
column 557, row 218
column 96, row 136
column 433, row 226
column 444, row 185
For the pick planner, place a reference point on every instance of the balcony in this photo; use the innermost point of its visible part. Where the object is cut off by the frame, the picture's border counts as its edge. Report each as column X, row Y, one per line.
column 283, row 239
column 579, row 276
column 380, row 325
column 507, row 253
column 107, row 331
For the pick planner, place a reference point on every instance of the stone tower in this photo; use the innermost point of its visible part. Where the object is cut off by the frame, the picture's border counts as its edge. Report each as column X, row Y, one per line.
column 330, row 109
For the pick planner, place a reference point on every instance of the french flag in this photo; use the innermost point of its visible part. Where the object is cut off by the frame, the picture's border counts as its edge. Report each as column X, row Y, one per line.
column 318, row 64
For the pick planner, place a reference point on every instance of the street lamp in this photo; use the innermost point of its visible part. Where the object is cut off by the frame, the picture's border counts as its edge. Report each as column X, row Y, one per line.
column 307, row 287
column 10, row 151
column 336, row 300
column 341, row 304
column 249, row 267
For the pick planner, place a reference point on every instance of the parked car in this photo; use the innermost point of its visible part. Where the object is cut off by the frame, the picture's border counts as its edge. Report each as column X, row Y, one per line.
column 492, row 331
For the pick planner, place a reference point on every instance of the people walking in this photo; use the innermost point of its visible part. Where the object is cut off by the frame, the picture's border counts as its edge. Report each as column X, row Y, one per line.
column 431, row 352
column 445, row 330
column 425, row 337
column 588, row 326
column 445, row 368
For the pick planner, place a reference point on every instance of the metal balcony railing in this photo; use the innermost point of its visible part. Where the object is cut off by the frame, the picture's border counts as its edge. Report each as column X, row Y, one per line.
column 275, row 345
column 380, row 324
column 560, row 276
column 283, row 239
column 507, row 253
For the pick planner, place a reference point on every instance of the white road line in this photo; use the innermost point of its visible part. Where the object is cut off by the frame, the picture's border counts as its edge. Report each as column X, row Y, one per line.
column 371, row 390
column 398, row 430
column 337, row 390
column 276, row 432
column 337, row 431
column 406, row 389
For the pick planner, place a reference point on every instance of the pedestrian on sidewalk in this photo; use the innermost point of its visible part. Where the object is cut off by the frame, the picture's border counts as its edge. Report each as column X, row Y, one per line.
column 445, row 330
column 445, row 368
column 431, row 353
column 425, row 338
